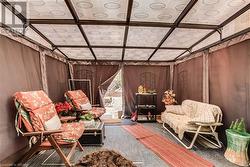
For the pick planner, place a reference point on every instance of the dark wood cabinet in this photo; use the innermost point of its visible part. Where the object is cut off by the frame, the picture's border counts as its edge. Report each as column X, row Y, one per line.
column 146, row 107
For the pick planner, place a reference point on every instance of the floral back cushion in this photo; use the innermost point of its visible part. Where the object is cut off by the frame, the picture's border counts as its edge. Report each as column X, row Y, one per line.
column 32, row 100
column 78, row 98
column 76, row 94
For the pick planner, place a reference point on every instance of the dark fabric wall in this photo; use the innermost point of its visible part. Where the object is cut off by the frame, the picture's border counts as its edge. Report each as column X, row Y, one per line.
column 229, row 81
column 97, row 74
column 19, row 71
column 188, row 80
column 57, row 77
column 152, row 77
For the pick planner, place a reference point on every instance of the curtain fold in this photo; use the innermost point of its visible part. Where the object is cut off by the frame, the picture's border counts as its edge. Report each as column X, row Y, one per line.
column 57, row 78
column 152, row 77
column 19, row 71
column 100, row 76
column 188, row 80
column 229, row 79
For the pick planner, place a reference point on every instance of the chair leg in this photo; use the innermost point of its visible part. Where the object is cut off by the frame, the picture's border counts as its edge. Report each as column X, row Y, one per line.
column 193, row 141
column 59, row 150
column 34, row 149
column 80, row 146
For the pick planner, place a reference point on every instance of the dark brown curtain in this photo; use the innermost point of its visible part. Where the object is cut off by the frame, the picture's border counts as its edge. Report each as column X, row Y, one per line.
column 229, row 79
column 57, row 77
column 188, row 79
column 152, row 77
column 19, row 71
column 98, row 74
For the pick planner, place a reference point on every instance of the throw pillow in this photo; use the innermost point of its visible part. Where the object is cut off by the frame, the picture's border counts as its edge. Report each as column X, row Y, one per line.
column 175, row 109
column 53, row 124
column 204, row 117
column 86, row 106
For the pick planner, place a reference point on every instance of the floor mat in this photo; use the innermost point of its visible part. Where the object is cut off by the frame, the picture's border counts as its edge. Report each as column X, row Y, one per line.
column 171, row 153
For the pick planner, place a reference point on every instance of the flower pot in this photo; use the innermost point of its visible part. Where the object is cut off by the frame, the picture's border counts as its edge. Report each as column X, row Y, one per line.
column 237, row 145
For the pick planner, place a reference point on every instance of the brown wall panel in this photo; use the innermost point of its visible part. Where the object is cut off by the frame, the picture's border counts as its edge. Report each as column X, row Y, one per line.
column 57, row 77
column 229, row 80
column 152, row 77
column 19, row 71
column 188, row 80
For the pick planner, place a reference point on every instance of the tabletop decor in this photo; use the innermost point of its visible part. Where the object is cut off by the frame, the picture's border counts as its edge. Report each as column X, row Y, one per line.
column 88, row 119
column 169, row 97
column 63, row 109
column 237, row 143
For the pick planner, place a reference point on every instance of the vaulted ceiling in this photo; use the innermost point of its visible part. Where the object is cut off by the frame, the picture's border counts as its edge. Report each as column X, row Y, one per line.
column 138, row 30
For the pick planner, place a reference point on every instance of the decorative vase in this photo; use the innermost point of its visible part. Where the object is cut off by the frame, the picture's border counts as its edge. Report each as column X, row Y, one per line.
column 140, row 89
column 237, row 145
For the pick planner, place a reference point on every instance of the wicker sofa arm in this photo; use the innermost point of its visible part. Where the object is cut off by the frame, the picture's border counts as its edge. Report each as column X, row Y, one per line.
column 44, row 133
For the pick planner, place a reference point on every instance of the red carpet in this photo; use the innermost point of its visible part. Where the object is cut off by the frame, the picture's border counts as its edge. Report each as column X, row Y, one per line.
column 170, row 152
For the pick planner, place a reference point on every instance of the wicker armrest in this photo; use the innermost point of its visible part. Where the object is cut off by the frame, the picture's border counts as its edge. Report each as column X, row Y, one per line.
column 42, row 133
column 209, row 124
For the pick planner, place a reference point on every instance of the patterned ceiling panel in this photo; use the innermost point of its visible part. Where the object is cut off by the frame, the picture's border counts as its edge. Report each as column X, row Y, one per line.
column 62, row 34
column 166, row 55
column 211, row 39
column 108, row 53
column 157, row 11
column 240, row 23
column 213, row 11
column 105, row 35
column 34, row 36
column 48, row 9
column 137, row 54
column 78, row 53
column 182, row 37
column 145, row 36
column 101, row 10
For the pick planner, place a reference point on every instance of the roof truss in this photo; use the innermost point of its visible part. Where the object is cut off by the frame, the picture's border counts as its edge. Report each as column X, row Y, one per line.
column 127, row 23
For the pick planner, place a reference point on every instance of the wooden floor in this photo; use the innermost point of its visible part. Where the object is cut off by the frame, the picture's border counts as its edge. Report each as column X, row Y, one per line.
column 121, row 141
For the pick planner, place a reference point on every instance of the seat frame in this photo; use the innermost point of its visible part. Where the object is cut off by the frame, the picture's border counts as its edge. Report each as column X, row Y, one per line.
column 200, row 133
column 43, row 136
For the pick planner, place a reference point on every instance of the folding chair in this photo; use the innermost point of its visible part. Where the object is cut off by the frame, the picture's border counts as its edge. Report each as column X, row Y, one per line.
column 37, row 120
column 77, row 98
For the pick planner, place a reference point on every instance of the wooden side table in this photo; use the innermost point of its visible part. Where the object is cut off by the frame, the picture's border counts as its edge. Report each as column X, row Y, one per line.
column 237, row 145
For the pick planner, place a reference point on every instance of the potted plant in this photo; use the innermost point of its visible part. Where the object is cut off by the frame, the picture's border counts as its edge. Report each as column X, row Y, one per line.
column 237, row 143
column 63, row 109
column 88, row 119
column 169, row 97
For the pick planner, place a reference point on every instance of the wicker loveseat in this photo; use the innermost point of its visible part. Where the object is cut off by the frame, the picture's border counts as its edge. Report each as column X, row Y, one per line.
column 193, row 117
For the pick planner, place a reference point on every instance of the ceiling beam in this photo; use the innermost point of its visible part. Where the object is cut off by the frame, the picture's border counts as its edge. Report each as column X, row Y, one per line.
column 24, row 20
column 119, row 47
column 234, row 16
column 120, row 23
column 76, row 19
column 129, row 11
column 176, row 24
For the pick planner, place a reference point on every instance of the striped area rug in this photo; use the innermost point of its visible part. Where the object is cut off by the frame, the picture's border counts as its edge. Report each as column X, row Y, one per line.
column 172, row 153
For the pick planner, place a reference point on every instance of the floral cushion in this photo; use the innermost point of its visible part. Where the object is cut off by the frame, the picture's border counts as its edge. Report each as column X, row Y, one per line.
column 32, row 100
column 97, row 111
column 41, row 115
column 76, row 94
column 71, row 132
